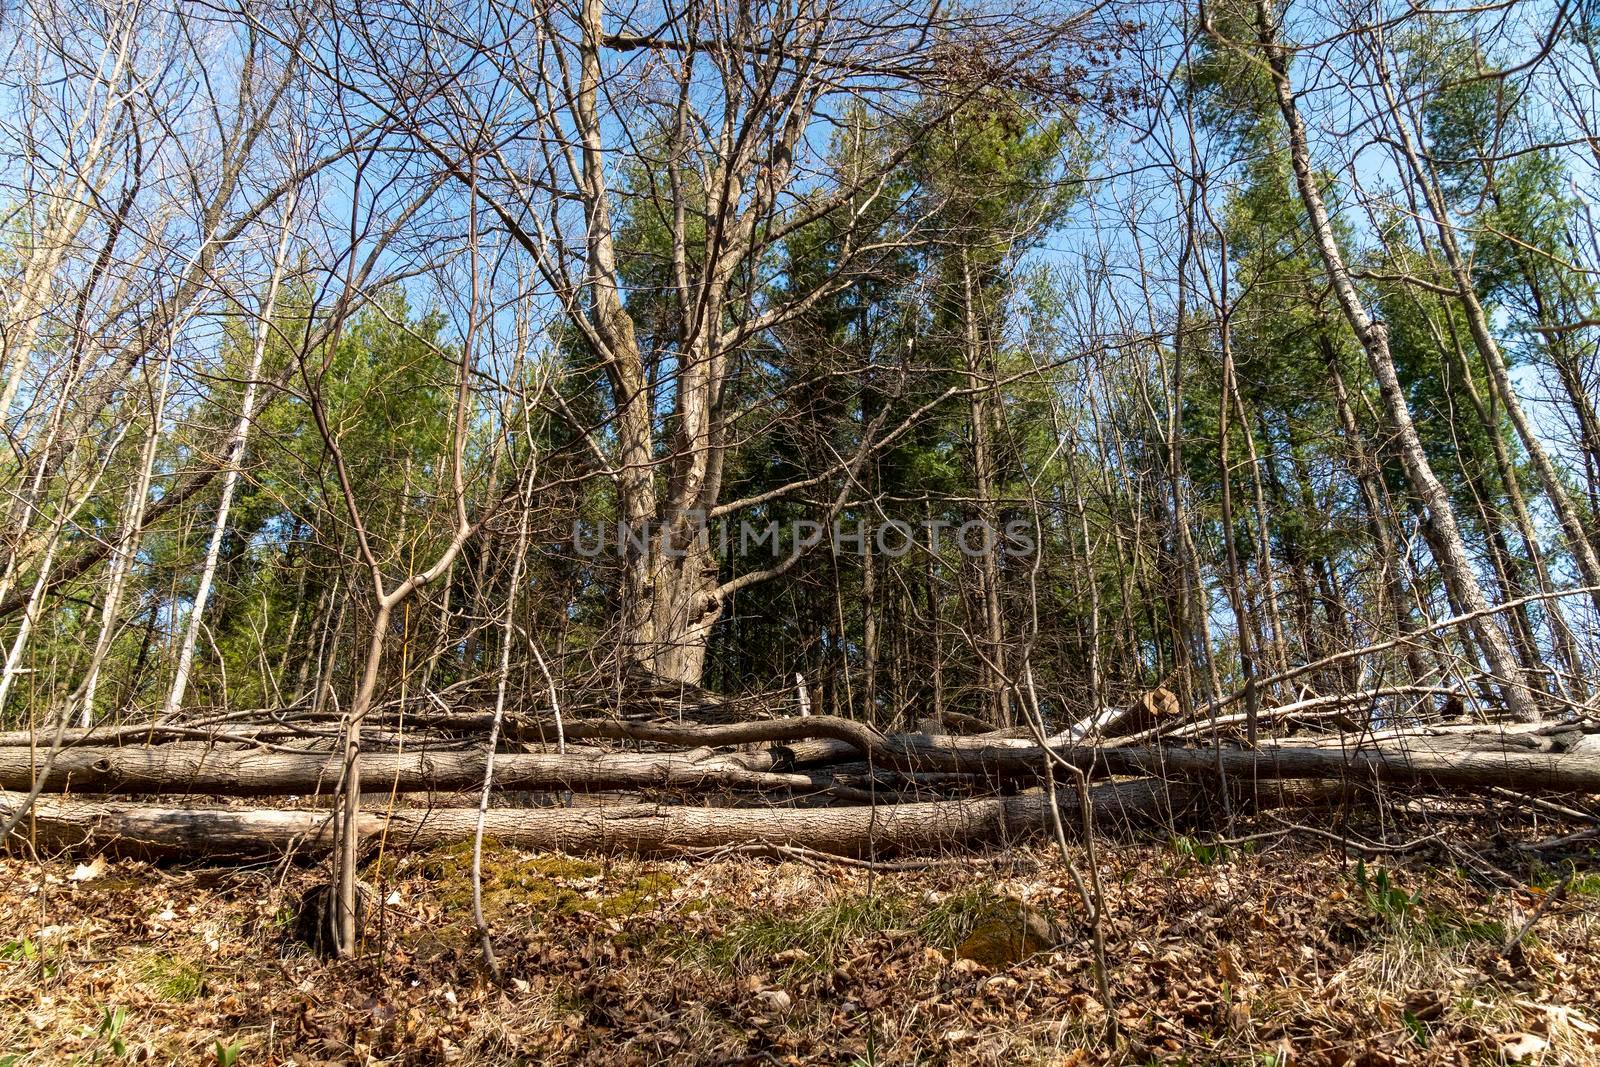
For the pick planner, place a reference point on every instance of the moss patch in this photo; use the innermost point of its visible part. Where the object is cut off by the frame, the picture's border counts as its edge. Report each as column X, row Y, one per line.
column 455, row 861
column 634, row 896
column 540, row 884
column 1007, row 932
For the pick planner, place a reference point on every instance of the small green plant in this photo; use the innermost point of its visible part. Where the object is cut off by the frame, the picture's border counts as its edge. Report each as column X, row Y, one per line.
column 21, row 949
column 1544, row 876
column 26, row 950
column 1406, row 915
column 1384, row 897
column 111, row 1024
column 1207, row 855
column 1418, row 1028
column 869, row 1058
column 228, row 1055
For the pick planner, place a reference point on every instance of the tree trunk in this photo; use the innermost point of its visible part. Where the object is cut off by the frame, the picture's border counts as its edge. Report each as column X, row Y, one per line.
column 1374, row 339
column 218, row 771
column 1391, row 583
column 232, row 457
column 1583, row 552
column 1244, row 617
column 1513, row 567
column 1567, row 762
column 996, row 688
column 677, row 608
column 348, row 783
column 644, row 829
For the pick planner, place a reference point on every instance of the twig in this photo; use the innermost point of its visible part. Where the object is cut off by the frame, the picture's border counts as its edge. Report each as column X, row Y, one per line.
column 1581, row 837
column 1374, row 848
column 1094, row 900
column 1549, row 806
column 1556, row 894
column 478, row 918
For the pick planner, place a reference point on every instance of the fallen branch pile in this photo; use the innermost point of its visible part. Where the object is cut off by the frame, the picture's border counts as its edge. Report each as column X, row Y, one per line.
column 816, row 781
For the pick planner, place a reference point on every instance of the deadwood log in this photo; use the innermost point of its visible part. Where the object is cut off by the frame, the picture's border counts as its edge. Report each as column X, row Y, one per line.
column 1415, row 764
column 1413, row 761
column 1420, row 761
column 531, row 729
column 1501, row 758
column 141, row 830
column 170, row 769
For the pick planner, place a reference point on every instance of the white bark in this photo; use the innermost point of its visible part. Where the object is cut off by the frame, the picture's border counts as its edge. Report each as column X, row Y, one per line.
column 1374, row 339
column 233, row 457
column 127, row 546
column 66, row 211
column 66, row 512
column 1578, row 542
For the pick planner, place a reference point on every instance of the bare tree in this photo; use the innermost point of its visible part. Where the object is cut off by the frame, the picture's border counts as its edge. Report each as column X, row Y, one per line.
column 1373, row 335
column 706, row 129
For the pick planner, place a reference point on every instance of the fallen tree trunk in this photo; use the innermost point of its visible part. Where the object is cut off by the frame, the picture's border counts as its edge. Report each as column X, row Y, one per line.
column 645, row 829
column 1533, row 737
column 1416, row 764
column 170, row 769
column 1421, row 761
column 1417, row 761
column 1501, row 758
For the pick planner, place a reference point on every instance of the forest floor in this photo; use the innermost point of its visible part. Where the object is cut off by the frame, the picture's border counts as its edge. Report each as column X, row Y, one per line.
column 1282, row 950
